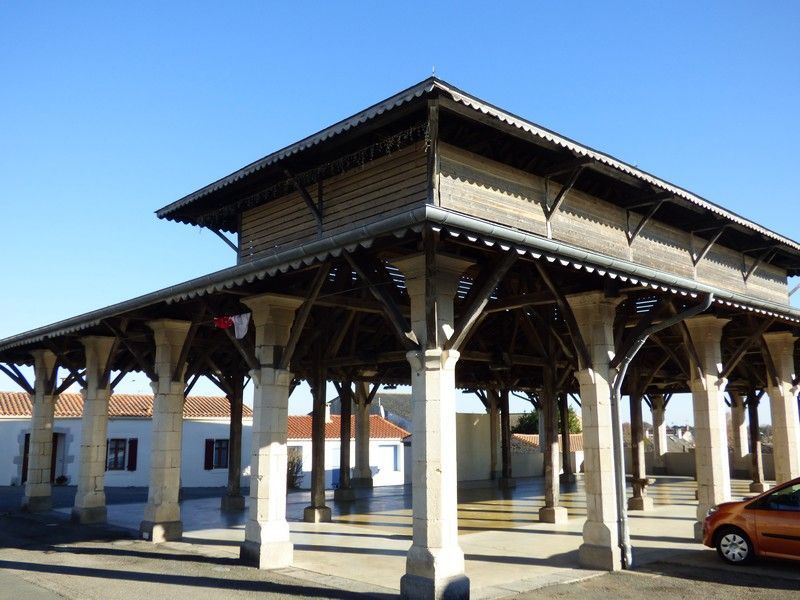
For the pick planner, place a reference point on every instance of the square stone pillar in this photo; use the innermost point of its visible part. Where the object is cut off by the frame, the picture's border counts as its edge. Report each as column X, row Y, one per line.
column 362, row 472
column 738, row 426
column 38, row 491
column 318, row 511
column 595, row 313
column 640, row 500
column 90, row 498
column 232, row 500
column 435, row 562
column 710, row 427
column 567, row 472
column 162, row 513
column 783, row 406
column 266, row 536
column 658, row 409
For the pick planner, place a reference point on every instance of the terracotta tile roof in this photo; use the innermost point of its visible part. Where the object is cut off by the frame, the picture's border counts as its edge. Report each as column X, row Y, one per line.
column 18, row 404
column 300, row 428
column 532, row 440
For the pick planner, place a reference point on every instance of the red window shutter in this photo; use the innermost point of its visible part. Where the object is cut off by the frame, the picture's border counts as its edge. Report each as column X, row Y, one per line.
column 133, row 448
column 209, row 455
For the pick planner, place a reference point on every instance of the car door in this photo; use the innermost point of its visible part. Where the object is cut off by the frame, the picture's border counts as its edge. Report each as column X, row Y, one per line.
column 777, row 520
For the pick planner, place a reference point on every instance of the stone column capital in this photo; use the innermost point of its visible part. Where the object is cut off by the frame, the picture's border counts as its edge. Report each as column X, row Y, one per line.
column 272, row 308
column 43, row 362
column 706, row 328
column 273, row 377
column 434, row 359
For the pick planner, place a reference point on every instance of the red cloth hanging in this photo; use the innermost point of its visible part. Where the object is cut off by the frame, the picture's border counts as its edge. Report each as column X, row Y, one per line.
column 223, row 322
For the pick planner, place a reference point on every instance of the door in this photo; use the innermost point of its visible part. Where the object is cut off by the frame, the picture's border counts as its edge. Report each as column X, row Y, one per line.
column 778, row 522
column 53, row 455
column 25, row 453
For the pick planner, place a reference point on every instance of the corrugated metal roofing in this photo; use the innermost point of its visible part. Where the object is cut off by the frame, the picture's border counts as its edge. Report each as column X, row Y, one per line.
column 457, row 95
column 18, row 404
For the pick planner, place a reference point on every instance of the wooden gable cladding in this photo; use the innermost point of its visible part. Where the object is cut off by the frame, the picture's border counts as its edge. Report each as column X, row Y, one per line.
column 483, row 188
column 381, row 188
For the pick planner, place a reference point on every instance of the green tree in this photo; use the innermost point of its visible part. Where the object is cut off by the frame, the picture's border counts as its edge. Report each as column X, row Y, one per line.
column 528, row 423
column 573, row 421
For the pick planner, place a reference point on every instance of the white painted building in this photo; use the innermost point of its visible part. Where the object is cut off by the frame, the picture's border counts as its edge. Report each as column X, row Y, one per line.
column 204, row 444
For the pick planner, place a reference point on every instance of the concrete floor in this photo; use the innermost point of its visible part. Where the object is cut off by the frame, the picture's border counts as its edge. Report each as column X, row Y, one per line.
column 507, row 550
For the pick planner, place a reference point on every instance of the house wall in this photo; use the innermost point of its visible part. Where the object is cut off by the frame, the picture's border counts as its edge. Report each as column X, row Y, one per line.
column 386, row 470
column 501, row 194
column 381, row 188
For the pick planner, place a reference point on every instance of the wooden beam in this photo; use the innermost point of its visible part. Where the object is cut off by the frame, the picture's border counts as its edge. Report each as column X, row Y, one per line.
column 645, row 219
column 671, row 353
column 190, row 385
column 582, row 352
column 378, row 289
column 772, row 372
column 696, row 258
column 17, row 377
column 478, row 297
column 645, row 320
column 338, row 337
column 187, row 343
column 432, row 150
column 221, row 236
column 765, row 257
column 744, row 347
column 312, row 206
column 350, row 303
column 568, row 166
column 520, row 301
column 109, row 363
column 550, row 209
column 302, row 314
column 140, row 360
column 691, row 349
column 247, row 354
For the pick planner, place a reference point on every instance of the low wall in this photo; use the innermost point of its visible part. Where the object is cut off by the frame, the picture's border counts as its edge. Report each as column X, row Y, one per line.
column 683, row 464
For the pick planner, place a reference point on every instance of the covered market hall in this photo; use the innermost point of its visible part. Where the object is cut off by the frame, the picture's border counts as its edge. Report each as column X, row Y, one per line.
column 437, row 241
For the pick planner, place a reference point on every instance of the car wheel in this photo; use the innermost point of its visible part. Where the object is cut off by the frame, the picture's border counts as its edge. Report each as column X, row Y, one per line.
column 734, row 546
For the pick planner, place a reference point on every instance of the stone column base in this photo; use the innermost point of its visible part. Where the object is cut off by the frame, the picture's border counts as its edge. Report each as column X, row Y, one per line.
column 344, row 495
column 232, row 503
column 37, row 503
column 317, row 514
column 267, row 555
column 600, row 557
column 86, row 516
column 506, row 483
column 361, row 482
column 640, row 503
column 698, row 531
column 758, row 488
column 161, row 532
column 553, row 514
column 568, row 478
column 414, row 587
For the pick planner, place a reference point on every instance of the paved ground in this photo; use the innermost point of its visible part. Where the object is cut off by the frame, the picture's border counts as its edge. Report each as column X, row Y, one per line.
column 361, row 554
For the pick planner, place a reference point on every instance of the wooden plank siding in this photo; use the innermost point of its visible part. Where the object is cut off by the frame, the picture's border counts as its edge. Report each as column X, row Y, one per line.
column 384, row 187
column 495, row 192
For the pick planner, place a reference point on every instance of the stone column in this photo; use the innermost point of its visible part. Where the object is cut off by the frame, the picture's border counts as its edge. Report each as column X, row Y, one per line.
column 756, row 457
column 90, row 498
column 162, row 513
column 658, row 408
column 345, row 492
column 38, row 491
column 362, row 474
column 494, row 426
column 435, row 562
column 266, row 534
column 568, row 473
column 640, row 500
column 595, row 313
column 233, row 501
column 738, row 426
column 506, row 477
column 317, row 511
column 783, row 406
column 710, row 428
column 551, row 512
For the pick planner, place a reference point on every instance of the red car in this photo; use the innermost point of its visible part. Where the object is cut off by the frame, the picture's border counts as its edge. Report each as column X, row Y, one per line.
column 766, row 525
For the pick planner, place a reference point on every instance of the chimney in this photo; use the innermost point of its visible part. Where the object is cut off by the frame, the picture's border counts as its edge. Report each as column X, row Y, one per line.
column 328, row 412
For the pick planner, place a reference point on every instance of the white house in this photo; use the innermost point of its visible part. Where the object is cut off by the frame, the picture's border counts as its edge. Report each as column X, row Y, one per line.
column 204, row 454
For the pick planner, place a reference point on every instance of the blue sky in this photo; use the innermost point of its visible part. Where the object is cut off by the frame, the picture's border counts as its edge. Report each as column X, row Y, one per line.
column 109, row 111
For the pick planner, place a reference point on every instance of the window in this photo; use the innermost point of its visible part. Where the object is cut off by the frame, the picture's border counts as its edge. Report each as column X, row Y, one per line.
column 786, row 499
column 216, row 456
column 115, row 455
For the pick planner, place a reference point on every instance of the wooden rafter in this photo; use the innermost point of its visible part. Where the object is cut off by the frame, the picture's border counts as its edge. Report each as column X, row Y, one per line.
column 653, row 207
column 670, row 353
column 550, row 209
column 140, row 359
column 645, row 321
column 377, row 287
column 744, row 347
column 476, row 300
column 769, row 363
column 246, row 353
column 302, row 314
column 17, row 377
column 696, row 258
column 187, row 343
column 582, row 352
column 765, row 257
